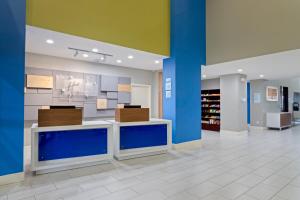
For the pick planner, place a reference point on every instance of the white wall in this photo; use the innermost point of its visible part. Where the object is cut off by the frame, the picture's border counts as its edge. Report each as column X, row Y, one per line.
column 233, row 102
column 210, row 84
column 259, row 110
column 138, row 76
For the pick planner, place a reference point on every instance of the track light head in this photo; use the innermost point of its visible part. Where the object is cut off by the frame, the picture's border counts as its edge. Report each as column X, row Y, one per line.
column 76, row 53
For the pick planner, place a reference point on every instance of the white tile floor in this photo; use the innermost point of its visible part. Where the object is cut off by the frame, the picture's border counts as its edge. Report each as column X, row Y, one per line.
column 261, row 165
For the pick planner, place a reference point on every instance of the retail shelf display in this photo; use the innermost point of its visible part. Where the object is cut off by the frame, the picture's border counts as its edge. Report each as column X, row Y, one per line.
column 211, row 112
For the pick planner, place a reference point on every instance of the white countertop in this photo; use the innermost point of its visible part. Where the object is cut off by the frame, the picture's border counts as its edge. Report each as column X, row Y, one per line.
column 85, row 125
column 151, row 121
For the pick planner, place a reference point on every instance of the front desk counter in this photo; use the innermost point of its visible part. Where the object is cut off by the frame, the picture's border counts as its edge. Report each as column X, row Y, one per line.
column 138, row 139
column 58, row 148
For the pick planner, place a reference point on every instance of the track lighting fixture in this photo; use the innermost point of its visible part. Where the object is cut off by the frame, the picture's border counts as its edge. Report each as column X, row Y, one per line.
column 87, row 54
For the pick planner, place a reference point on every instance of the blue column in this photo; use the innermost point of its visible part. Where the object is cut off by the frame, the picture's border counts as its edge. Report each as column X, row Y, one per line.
column 249, row 102
column 12, row 54
column 182, row 71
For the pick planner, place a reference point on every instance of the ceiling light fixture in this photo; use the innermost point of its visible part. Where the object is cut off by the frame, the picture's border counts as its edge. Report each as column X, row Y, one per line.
column 240, row 70
column 95, row 50
column 204, row 76
column 130, row 57
column 119, row 61
column 49, row 41
column 157, row 62
column 101, row 57
column 261, row 76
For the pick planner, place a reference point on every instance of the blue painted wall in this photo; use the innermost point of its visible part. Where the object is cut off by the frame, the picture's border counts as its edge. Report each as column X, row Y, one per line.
column 12, row 56
column 188, row 53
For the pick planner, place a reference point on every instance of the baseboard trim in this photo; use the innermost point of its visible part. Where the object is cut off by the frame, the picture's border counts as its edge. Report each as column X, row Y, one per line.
column 188, row 145
column 11, row 178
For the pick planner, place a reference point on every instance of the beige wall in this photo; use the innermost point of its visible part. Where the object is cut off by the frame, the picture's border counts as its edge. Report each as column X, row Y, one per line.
column 239, row 29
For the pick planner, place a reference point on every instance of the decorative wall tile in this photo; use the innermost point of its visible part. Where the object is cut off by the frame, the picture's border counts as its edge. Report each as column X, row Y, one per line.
column 60, row 78
column 106, row 88
column 102, row 95
column 37, row 81
column 101, row 104
column 91, row 83
column 112, row 104
column 124, row 88
column 112, row 95
column 124, row 80
column 124, row 97
column 109, row 83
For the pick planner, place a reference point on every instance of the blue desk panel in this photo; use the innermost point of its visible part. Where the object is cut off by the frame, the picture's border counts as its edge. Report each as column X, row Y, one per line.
column 74, row 143
column 143, row 136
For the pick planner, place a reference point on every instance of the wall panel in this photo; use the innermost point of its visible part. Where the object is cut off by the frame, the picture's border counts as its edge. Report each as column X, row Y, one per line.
column 74, row 88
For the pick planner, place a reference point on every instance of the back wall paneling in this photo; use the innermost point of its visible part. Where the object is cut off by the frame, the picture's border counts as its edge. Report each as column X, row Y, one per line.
column 79, row 89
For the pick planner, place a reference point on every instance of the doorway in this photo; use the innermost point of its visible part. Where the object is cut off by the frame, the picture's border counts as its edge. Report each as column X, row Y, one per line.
column 141, row 95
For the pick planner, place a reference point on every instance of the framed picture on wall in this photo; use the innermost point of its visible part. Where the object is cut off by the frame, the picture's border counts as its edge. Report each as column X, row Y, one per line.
column 272, row 93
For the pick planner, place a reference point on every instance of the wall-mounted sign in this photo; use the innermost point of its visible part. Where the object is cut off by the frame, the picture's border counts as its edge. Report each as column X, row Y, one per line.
column 168, row 85
column 272, row 93
column 257, row 98
column 168, row 88
column 168, row 94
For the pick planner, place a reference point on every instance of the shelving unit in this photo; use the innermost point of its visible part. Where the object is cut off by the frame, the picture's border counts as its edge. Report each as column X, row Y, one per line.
column 211, row 112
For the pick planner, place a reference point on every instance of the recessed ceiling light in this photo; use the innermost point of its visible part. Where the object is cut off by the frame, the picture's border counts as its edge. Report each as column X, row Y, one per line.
column 261, row 76
column 240, row 70
column 204, row 76
column 102, row 58
column 49, row 41
column 157, row 62
column 119, row 61
column 95, row 50
column 85, row 55
column 130, row 57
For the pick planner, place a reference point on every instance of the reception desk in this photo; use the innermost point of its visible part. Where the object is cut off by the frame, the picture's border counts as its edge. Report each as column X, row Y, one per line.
column 138, row 139
column 56, row 148
column 279, row 120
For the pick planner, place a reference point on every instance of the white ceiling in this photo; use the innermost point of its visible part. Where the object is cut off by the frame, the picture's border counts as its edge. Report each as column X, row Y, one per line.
column 282, row 65
column 274, row 66
column 36, row 43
